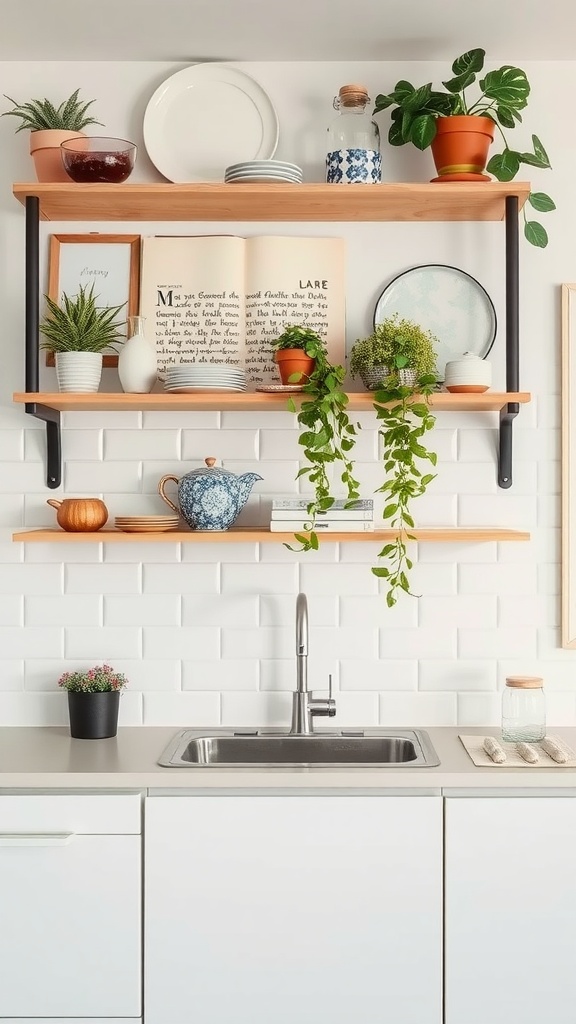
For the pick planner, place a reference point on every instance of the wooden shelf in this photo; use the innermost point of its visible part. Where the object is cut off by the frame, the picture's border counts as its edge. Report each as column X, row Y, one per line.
column 258, row 535
column 490, row 401
column 456, row 201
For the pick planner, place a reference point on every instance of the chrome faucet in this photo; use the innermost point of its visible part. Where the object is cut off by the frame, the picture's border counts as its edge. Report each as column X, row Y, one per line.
column 304, row 707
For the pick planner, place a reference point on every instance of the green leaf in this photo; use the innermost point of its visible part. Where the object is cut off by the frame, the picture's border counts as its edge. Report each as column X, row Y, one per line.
column 382, row 573
column 531, row 160
column 461, row 82
column 536, row 234
column 423, row 131
column 395, row 137
column 505, row 116
column 507, row 85
column 541, row 202
column 389, row 511
column 540, row 152
column 504, row 166
column 471, row 61
column 382, row 102
column 418, row 98
column 390, row 599
column 402, row 90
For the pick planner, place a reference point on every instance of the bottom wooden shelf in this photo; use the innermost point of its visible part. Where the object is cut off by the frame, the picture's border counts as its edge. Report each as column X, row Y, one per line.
column 238, row 535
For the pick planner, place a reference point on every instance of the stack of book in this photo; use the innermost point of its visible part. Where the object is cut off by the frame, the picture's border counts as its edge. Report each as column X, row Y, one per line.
column 289, row 515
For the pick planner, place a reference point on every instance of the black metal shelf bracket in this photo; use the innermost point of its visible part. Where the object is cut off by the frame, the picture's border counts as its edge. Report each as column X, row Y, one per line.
column 511, row 409
column 51, row 417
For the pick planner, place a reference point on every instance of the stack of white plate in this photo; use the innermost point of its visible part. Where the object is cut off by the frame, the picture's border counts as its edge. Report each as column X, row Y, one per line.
column 146, row 524
column 264, row 170
column 190, row 377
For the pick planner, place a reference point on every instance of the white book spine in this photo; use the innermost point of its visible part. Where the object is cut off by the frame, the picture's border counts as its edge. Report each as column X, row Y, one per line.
column 332, row 515
column 325, row 526
column 340, row 504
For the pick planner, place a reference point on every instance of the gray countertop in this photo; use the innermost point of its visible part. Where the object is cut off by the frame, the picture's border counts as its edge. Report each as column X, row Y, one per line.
column 47, row 758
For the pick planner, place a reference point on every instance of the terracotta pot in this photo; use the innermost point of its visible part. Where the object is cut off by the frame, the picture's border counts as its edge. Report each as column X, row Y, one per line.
column 45, row 151
column 460, row 147
column 292, row 362
column 80, row 515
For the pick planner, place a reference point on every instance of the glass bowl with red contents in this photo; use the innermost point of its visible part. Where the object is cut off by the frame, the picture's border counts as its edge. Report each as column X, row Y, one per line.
column 96, row 159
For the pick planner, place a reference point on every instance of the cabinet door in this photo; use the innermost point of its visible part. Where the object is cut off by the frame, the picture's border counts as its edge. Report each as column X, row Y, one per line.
column 510, row 910
column 69, row 925
column 293, row 909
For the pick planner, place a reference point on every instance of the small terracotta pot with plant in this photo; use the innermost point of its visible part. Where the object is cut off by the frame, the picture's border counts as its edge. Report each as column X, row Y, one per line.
column 460, row 130
column 295, row 353
column 93, row 701
column 49, row 126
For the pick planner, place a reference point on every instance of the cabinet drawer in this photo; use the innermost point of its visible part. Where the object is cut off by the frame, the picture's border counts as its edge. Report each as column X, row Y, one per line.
column 82, row 813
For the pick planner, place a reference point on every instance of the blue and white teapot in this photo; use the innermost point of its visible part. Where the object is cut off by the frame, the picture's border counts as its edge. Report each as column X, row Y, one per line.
column 211, row 498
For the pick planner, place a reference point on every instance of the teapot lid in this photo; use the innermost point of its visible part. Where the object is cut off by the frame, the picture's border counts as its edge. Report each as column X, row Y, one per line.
column 211, row 468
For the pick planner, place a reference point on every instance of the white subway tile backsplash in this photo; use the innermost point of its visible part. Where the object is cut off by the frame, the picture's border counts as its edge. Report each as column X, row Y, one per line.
column 256, row 709
column 139, row 445
column 77, row 445
column 424, row 709
column 219, row 610
column 103, row 643
column 17, row 477
column 12, row 445
column 108, row 476
column 197, row 445
column 272, row 578
column 33, row 709
column 479, row 707
column 31, row 642
column 181, row 709
column 180, row 642
column 421, row 642
column 457, row 610
column 180, row 579
column 458, row 675
column 81, row 578
column 94, row 420
column 497, row 579
column 11, row 510
column 506, row 509
column 355, row 710
column 23, row 578
column 392, row 674
column 528, row 610
column 237, row 552
column 220, row 675
column 179, row 421
column 280, row 610
column 336, row 579
column 68, row 610
column 258, row 420
column 458, row 552
column 497, row 643
column 372, row 610
column 142, row 610
column 259, row 642
column 62, row 553
column 11, row 610
column 11, row 674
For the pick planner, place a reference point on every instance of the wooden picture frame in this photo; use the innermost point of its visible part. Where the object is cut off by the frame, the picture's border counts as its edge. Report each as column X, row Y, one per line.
column 568, row 587
column 75, row 260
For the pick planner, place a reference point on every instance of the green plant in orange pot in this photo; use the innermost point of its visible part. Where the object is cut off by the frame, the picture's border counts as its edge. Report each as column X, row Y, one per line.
column 460, row 131
column 295, row 353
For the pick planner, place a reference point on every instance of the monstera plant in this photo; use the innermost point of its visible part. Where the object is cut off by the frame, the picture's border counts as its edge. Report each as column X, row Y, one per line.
column 448, row 120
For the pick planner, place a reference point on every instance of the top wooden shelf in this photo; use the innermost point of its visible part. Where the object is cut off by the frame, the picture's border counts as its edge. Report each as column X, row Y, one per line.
column 456, row 201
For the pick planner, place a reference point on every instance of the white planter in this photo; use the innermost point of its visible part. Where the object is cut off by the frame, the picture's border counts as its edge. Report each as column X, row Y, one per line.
column 78, row 371
column 137, row 360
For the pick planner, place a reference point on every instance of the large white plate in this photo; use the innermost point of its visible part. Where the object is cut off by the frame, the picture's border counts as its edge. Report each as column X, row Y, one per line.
column 206, row 117
column 446, row 301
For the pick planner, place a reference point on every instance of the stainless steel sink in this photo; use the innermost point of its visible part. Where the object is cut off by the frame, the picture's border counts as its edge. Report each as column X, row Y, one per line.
column 354, row 748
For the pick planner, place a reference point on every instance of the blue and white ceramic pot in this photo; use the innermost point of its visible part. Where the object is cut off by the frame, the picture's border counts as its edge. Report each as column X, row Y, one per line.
column 210, row 498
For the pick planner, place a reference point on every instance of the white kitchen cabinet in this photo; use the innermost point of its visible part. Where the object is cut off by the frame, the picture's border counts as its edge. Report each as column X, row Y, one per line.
column 285, row 909
column 70, row 943
column 510, row 910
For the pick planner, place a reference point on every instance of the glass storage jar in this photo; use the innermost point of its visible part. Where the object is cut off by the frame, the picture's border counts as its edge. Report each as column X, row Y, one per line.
column 523, row 709
column 353, row 152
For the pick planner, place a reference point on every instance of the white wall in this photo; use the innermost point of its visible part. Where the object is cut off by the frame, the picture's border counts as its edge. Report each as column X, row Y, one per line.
column 206, row 634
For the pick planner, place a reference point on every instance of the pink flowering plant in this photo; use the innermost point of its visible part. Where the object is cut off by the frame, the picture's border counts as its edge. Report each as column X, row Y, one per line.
column 100, row 679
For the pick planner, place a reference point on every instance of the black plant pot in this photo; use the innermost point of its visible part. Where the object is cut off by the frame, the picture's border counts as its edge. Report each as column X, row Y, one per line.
column 93, row 716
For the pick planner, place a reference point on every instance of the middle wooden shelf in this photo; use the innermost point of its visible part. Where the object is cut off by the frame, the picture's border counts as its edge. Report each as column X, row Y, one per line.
column 262, row 535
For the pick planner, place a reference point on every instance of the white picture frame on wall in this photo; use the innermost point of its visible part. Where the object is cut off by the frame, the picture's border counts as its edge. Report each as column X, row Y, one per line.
column 110, row 262
column 568, row 588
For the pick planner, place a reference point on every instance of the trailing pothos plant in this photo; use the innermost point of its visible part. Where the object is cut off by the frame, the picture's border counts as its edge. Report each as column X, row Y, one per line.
column 328, row 438
column 403, row 421
column 503, row 94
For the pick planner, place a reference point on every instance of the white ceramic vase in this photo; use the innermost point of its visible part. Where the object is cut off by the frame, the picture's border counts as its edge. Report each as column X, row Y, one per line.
column 78, row 371
column 137, row 359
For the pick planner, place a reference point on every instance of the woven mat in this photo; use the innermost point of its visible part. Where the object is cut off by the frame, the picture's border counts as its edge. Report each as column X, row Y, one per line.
column 474, row 747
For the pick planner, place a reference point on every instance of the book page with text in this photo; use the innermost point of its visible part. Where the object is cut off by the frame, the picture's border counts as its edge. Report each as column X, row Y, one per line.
column 192, row 295
column 292, row 280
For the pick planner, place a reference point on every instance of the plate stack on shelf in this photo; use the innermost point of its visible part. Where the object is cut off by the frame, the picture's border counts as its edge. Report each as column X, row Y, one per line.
column 188, row 378
column 146, row 524
column 264, row 170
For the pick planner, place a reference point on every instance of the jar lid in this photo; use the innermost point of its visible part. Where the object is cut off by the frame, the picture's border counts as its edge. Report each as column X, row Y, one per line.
column 525, row 682
column 350, row 95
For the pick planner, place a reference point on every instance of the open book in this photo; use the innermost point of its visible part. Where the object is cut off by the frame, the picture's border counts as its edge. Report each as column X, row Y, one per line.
column 224, row 299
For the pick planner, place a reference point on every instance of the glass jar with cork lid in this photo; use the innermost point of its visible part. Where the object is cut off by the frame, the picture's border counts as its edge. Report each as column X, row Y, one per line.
column 523, row 709
column 353, row 152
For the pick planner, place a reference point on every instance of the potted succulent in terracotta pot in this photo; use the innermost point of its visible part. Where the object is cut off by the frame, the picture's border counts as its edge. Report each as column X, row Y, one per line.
column 460, row 130
column 295, row 352
column 93, row 701
column 50, row 126
column 78, row 332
